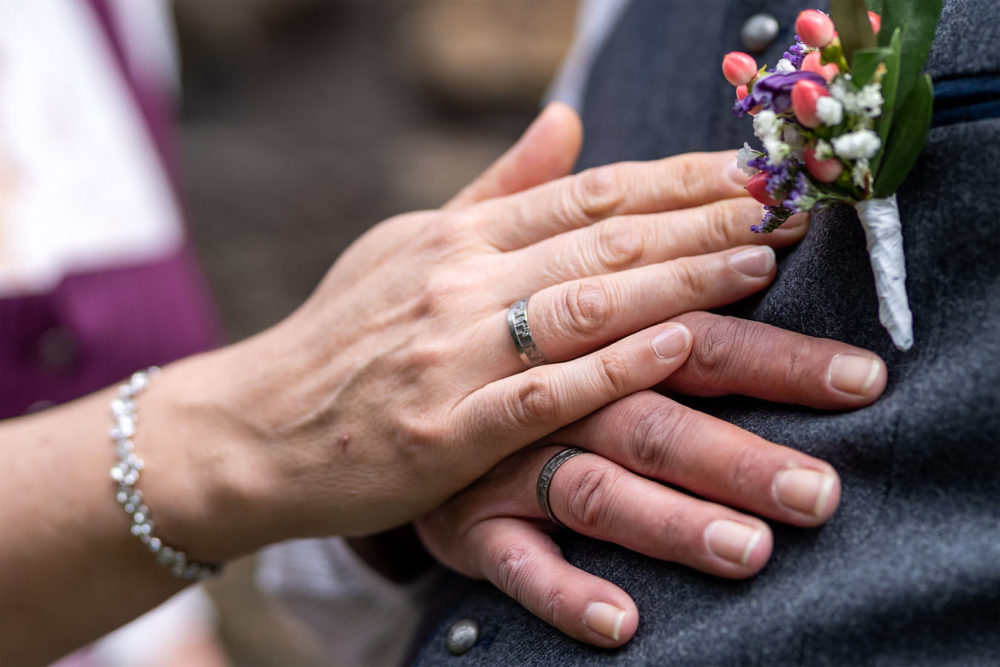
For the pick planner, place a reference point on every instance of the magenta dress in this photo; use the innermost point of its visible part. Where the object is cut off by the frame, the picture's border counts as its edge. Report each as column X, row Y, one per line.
column 98, row 326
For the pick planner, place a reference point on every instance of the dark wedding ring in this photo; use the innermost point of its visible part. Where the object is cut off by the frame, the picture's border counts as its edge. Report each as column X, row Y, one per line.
column 517, row 322
column 545, row 479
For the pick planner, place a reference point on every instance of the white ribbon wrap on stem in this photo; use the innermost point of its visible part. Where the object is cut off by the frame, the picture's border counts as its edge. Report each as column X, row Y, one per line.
column 884, row 234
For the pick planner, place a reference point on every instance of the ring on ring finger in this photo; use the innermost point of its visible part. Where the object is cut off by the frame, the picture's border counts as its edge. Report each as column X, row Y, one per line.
column 517, row 322
column 545, row 480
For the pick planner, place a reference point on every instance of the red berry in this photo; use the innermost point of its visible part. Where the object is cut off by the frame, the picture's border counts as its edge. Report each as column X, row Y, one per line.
column 812, row 62
column 824, row 171
column 814, row 28
column 876, row 21
column 804, row 97
column 757, row 187
column 739, row 68
column 741, row 92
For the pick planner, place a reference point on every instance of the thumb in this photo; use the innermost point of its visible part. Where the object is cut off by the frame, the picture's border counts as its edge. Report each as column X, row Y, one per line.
column 547, row 150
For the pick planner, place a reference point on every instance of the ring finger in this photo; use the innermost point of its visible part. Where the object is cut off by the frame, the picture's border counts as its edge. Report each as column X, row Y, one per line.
column 579, row 316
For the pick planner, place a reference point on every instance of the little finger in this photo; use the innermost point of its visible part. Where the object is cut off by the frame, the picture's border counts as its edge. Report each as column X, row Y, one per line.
column 524, row 562
column 735, row 356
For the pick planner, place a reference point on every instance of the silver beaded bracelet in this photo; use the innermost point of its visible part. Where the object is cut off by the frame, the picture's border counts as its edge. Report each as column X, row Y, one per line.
column 125, row 475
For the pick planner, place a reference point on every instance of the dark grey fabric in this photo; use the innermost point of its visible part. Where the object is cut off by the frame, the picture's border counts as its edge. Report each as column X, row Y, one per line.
column 908, row 570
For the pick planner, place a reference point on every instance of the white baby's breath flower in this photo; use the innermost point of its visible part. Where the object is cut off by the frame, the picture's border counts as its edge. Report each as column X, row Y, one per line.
column 824, row 151
column 766, row 124
column 791, row 136
column 869, row 100
column 743, row 156
column 796, row 143
column 784, row 66
column 777, row 150
column 862, row 144
column 829, row 111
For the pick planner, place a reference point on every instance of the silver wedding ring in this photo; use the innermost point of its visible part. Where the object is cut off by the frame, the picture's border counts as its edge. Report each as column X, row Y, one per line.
column 517, row 322
column 545, row 480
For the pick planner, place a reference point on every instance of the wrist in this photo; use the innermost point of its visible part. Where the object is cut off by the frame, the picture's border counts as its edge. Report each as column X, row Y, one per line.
column 199, row 477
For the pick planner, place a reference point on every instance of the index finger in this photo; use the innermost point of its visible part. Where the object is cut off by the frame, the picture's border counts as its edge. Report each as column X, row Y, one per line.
column 735, row 356
column 673, row 183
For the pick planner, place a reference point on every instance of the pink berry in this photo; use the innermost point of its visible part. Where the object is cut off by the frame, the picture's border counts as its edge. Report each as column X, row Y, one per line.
column 813, row 63
column 824, row 171
column 814, row 28
column 739, row 68
column 741, row 92
column 757, row 187
column 805, row 94
column 876, row 21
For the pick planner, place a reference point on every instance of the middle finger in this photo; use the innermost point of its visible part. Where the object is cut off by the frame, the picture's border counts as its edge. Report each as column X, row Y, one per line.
column 637, row 240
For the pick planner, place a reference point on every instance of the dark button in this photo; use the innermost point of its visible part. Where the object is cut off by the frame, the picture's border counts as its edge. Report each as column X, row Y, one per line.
column 759, row 31
column 462, row 636
column 56, row 350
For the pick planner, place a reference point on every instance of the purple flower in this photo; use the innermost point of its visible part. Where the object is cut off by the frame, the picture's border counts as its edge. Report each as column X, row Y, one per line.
column 800, row 187
column 773, row 218
column 795, row 53
column 774, row 91
column 778, row 178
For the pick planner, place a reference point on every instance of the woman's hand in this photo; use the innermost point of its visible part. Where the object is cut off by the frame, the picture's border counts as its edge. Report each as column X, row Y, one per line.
column 496, row 530
column 397, row 382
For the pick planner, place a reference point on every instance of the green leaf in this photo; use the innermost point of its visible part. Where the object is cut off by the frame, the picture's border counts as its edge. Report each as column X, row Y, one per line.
column 906, row 139
column 918, row 20
column 890, row 83
column 851, row 19
column 865, row 63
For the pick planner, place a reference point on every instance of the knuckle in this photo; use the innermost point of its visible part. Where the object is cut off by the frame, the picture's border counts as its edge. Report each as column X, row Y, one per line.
column 721, row 230
column 585, row 309
column 596, row 192
column 745, row 467
column 512, row 567
column 652, row 444
column 620, row 245
column 613, row 372
column 690, row 277
column 799, row 360
column 713, row 350
column 552, row 605
column 691, row 178
column 590, row 495
column 445, row 289
column 534, row 403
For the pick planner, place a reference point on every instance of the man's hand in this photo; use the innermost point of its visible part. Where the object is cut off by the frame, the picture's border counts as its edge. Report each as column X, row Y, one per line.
column 496, row 530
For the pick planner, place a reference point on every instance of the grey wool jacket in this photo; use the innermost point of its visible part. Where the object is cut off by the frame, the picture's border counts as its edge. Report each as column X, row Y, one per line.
column 907, row 572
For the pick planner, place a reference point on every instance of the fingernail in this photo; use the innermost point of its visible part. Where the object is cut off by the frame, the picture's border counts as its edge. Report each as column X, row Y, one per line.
column 604, row 619
column 737, row 175
column 854, row 374
column 804, row 490
column 753, row 262
column 796, row 221
column 731, row 540
column 672, row 341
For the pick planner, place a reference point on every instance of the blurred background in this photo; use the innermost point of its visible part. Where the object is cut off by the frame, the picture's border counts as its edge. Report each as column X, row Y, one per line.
column 304, row 122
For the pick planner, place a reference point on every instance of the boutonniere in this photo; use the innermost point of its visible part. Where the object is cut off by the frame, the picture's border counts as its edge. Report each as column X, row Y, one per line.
column 842, row 118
